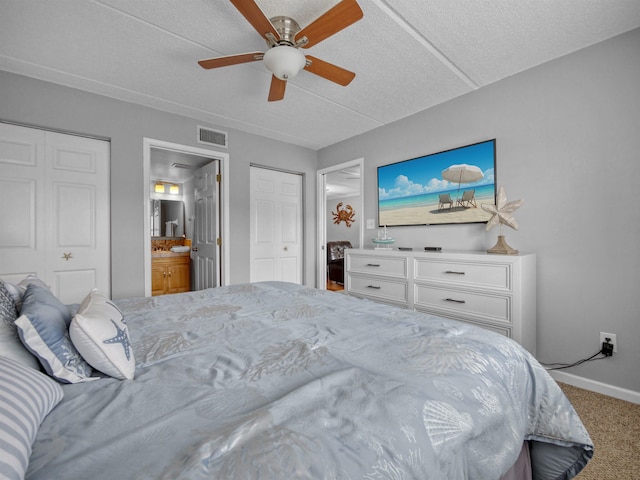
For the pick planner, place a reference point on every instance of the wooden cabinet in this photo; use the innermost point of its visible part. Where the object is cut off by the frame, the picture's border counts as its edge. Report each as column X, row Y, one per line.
column 170, row 275
column 496, row 292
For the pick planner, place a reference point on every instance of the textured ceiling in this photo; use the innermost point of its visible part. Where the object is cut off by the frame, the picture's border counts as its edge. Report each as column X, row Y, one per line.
column 407, row 56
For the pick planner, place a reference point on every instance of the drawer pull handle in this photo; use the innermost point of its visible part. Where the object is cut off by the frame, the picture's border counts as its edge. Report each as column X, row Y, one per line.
column 374, row 287
column 455, row 273
column 373, row 264
column 454, row 300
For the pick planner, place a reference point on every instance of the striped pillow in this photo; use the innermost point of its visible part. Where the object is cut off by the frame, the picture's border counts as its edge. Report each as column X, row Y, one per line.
column 26, row 398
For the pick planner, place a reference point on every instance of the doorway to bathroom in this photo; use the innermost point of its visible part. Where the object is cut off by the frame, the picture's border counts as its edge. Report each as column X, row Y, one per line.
column 198, row 179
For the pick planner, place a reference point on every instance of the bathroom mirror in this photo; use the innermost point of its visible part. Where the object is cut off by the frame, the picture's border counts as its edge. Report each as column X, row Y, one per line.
column 167, row 218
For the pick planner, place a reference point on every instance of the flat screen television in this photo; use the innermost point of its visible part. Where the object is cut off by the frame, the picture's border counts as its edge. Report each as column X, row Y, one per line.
column 440, row 188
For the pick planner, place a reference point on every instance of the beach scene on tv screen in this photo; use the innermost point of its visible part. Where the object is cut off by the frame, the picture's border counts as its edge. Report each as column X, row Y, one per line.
column 445, row 187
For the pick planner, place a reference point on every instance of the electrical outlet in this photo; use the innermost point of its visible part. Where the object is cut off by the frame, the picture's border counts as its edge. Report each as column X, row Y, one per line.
column 613, row 340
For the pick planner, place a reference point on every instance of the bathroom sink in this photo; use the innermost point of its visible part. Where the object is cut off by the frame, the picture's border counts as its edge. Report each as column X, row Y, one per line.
column 180, row 249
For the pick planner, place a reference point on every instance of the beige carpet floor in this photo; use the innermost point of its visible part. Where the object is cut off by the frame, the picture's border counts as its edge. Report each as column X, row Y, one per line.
column 614, row 427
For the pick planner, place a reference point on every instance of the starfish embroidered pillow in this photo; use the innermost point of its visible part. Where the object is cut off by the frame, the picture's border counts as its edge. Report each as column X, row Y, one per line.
column 100, row 334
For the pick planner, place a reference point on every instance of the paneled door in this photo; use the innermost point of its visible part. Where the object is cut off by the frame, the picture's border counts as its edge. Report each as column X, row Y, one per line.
column 54, row 210
column 206, row 249
column 276, row 226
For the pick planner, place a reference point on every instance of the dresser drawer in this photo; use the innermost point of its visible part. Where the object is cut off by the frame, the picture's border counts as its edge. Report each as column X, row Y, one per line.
column 502, row 330
column 379, row 288
column 373, row 265
column 496, row 276
column 505, row 329
column 467, row 305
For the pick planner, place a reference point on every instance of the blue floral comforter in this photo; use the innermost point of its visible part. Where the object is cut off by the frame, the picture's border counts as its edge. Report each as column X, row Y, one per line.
column 277, row 381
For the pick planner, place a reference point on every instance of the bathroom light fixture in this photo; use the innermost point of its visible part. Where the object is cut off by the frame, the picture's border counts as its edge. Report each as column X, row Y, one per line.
column 159, row 187
column 174, row 189
column 284, row 62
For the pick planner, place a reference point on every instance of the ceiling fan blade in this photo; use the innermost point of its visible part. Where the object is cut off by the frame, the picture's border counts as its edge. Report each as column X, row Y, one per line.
column 335, row 19
column 276, row 92
column 251, row 11
column 329, row 71
column 231, row 60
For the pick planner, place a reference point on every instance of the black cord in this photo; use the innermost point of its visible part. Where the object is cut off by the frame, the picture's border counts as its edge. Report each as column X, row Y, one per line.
column 579, row 362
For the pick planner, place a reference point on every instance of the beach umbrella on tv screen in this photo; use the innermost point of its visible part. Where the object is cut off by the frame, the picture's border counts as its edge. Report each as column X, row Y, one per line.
column 462, row 173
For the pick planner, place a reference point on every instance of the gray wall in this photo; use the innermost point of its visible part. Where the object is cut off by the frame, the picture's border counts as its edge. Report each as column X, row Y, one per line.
column 341, row 231
column 43, row 104
column 568, row 143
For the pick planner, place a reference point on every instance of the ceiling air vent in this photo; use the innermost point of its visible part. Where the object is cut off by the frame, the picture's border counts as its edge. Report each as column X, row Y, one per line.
column 184, row 166
column 212, row 137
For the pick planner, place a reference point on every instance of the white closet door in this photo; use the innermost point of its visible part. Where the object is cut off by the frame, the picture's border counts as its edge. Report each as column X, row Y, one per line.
column 67, row 207
column 276, row 226
column 22, row 203
column 77, row 216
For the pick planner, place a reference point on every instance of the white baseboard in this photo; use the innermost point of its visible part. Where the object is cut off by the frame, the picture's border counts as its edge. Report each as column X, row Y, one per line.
column 594, row 386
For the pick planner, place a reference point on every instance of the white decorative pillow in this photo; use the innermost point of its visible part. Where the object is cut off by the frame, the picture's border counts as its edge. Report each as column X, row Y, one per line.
column 43, row 328
column 26, row 398
column 100, row 334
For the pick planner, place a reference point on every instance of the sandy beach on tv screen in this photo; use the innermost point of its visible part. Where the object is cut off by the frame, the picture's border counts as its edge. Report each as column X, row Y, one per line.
column 431, row 214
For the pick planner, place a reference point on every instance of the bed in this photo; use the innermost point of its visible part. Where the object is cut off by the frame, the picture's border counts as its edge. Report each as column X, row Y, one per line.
column 278, row 381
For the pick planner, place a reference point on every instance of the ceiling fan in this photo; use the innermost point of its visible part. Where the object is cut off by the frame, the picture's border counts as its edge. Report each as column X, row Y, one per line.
column 285, row 38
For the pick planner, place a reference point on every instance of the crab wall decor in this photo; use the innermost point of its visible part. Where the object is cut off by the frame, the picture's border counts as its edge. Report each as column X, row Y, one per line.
column 345, row 215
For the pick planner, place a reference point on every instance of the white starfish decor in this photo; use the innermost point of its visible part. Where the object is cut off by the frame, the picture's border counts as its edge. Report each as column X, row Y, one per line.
column 502, row 211
column 502, row 215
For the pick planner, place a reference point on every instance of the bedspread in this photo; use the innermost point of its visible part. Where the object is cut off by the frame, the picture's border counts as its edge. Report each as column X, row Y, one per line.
column 277, row 381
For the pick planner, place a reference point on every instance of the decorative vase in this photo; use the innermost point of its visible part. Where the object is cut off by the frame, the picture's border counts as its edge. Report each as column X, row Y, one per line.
column 383, row 243
column 501, row 247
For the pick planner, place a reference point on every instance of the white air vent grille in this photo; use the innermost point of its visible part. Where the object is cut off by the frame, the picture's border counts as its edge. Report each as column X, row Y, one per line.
column 184, row 166
column 212, row 137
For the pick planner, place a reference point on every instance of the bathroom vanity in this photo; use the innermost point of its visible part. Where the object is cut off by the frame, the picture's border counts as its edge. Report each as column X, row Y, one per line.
column 170, row 271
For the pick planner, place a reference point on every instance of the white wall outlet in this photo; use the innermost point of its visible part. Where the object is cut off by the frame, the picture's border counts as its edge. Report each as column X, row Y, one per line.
column 612, row 336
column 371, row 224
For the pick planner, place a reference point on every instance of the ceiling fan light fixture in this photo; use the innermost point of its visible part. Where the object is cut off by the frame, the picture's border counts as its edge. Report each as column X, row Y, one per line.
column 284, row 62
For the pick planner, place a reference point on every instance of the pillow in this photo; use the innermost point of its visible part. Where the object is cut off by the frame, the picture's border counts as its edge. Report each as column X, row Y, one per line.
column 10, row 345
column 32, row 279
column 26, row 398
column 17, row 291
column 100, row 334
column 8, row 310
column 42, row 327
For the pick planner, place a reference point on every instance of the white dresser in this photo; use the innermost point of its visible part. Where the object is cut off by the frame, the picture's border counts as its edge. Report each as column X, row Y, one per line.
column 497, row 292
